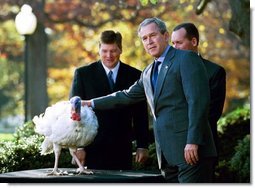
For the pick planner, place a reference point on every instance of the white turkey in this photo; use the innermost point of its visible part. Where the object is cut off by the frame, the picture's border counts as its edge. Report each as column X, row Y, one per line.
column 66, row 124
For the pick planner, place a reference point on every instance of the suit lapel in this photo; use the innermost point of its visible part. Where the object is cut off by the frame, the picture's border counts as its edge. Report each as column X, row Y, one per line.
column 121, row 77
column 148, row 88
column 163, row 71
column 152, row 98
column 102, row 78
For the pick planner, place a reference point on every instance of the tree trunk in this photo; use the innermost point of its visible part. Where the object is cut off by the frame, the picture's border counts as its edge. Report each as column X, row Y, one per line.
column 36, row 96
column 240, row 20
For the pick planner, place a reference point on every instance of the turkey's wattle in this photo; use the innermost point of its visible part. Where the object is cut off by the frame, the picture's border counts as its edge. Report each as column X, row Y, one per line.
column 76, row 116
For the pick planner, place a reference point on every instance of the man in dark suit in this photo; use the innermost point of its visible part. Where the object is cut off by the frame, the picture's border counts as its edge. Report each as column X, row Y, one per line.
column 185, row 36
column 112, row 147
column 179, row 102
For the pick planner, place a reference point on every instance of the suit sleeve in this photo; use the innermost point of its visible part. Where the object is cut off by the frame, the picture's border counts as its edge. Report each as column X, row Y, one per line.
column 196, row 89
column 218, row 94
column 134, row 94
column 141, row 124
column 76, row 88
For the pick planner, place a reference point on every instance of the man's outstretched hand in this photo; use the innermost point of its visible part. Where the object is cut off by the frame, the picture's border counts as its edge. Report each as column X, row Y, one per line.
column 86, row 103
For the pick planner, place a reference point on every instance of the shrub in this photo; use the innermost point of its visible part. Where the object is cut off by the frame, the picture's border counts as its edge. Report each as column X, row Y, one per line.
column 151, row 163
column 25, row 131
column 240, row 162
column 24, row 152
column 232, row 128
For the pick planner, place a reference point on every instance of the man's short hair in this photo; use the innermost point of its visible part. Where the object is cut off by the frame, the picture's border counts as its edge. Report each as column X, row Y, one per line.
column 111, row 37
column 160, row 24
column 191, row 30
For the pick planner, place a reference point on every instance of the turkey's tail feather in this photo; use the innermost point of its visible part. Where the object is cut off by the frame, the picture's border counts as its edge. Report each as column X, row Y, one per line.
column 46, row 147
column 41, row 126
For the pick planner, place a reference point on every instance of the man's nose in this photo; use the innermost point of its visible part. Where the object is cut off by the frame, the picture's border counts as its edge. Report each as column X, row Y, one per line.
column 150, row 40
column 108, row 54
column 176, row 46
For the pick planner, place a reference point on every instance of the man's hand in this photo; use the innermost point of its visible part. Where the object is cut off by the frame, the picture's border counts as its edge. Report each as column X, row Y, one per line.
column 191, row 153
column 142, row 155
column 86, row 102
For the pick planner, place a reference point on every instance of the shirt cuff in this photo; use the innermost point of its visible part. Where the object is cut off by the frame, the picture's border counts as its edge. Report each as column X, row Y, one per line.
column 92, row 104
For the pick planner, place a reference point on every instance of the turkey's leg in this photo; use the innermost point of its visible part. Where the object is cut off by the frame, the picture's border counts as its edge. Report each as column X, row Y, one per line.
column 57, row 151
column 82, row 170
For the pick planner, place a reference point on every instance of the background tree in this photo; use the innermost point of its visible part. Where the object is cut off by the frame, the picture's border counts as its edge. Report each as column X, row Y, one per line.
column 73, row 28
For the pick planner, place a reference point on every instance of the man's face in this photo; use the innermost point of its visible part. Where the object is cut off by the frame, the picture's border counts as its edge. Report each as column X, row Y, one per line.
column 180, row 41
column 153, row 41
column 109, row 54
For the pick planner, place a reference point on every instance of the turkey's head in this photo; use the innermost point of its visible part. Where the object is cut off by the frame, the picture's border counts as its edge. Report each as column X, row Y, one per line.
column 76, row 108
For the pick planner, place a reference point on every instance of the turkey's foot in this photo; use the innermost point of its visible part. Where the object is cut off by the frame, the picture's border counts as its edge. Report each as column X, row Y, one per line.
column 57, row 173
column 84, row 171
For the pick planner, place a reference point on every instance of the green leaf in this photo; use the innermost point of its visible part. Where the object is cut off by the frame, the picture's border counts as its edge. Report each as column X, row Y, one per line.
column 144, row 2
column 154, row 2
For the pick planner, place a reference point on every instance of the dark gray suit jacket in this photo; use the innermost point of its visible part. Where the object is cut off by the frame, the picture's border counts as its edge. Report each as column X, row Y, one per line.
column 217, row 82
column 179, row 105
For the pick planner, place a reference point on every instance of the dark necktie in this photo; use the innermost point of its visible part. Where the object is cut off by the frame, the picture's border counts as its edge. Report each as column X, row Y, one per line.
column 155, row 74
column 111, row 81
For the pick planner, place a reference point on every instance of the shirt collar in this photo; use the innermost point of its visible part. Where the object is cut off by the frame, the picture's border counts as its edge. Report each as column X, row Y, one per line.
column 162, row 57
column 114, row 70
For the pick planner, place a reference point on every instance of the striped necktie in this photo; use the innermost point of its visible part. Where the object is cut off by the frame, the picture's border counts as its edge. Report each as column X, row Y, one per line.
column 155, row 74
column 111, row 81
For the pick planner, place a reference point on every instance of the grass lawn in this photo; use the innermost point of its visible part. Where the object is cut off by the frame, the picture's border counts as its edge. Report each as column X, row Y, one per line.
column 6, row 137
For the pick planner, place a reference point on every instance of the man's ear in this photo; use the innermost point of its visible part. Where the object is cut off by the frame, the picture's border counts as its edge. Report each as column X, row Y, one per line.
column 194, row 41
column 120, row 50
column 167, row 36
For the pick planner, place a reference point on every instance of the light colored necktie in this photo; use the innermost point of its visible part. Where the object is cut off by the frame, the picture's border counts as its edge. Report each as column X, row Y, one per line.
column 111, row 81
column 155, row 74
